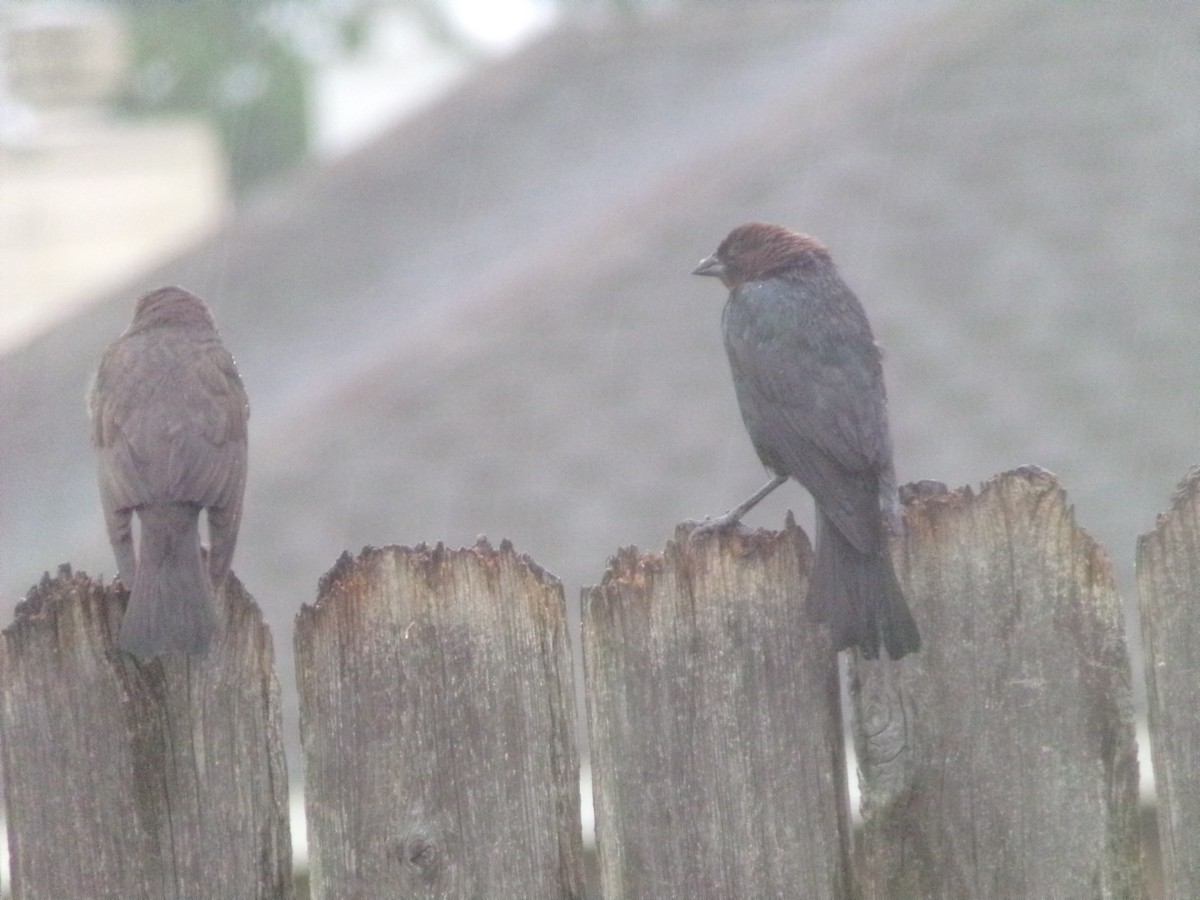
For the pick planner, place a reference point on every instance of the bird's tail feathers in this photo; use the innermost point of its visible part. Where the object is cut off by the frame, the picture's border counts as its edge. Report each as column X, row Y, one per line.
column 171, row 604
column 858, row 595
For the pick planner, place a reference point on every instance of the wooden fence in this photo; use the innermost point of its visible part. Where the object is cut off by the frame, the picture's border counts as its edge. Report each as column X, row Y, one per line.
column 438, row 726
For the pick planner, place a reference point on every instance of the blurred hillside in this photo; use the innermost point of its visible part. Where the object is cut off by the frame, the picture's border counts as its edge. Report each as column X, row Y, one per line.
column 483, row 322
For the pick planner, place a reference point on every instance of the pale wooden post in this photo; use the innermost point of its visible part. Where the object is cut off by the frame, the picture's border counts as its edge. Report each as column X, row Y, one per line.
column 717, row 753
column 1168, row 569
column 1000, row 761
column 437, row 718
column 128, row 779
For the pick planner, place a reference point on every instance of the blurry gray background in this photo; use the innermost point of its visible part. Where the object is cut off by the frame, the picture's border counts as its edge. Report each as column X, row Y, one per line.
column 480, row 319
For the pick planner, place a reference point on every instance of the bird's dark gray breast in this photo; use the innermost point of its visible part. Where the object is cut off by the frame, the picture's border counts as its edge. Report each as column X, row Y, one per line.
column 809, row 383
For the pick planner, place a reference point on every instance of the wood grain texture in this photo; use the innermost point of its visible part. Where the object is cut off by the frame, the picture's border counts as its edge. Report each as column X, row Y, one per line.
column 1168, row 570
column 717, row 755
column 128, row 779
column 1000, row 761
column 437, row 720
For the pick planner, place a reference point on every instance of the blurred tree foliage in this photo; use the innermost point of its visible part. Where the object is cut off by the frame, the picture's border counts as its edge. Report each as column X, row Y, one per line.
column 222, row 59
column 248, row 65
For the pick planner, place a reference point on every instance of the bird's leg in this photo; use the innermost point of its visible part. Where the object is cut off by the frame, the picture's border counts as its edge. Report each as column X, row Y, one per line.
column 734, row 516
column 120, row 535
column 223, row 524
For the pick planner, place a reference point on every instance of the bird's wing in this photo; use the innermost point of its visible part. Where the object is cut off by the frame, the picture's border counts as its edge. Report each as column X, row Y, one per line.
column 179, row 437
column 815, row 408
column 213, row 469
column 112, row 404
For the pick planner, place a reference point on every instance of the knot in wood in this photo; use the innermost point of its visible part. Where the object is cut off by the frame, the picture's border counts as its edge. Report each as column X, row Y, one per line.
column 422, row 856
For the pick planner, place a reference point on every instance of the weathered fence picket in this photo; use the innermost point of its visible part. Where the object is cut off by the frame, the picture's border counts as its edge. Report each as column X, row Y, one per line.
column 717, row 760
column 438, row 725
column 1168, row 569
column 437, row 717
column 127, row 779
column 1001, row 761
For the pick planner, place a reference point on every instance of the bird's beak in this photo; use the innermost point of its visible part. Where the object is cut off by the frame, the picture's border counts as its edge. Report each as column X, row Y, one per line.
column 710, row 265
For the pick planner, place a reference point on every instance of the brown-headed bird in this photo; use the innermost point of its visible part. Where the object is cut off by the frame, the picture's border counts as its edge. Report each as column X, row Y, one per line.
column 169, row 416
column 808, row 379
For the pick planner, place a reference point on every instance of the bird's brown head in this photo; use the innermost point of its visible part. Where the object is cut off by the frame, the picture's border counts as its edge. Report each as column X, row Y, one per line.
column 757, row 250
column 171, row 306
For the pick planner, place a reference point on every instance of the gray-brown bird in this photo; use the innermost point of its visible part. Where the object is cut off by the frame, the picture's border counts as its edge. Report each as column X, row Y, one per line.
column 169, row 415
column 809, row 381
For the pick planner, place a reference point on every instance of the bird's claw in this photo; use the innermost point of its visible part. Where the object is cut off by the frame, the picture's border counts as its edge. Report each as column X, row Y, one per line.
column 712, row 525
